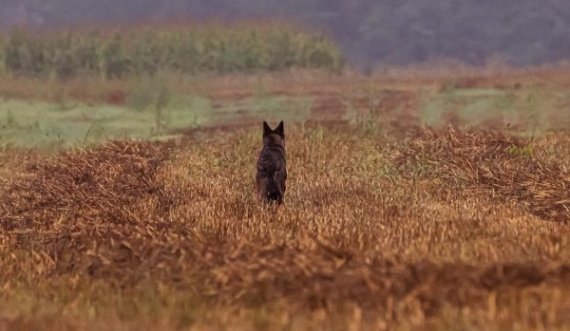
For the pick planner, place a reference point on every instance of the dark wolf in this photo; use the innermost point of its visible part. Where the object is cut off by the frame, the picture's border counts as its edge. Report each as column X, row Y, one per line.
column 271, row 165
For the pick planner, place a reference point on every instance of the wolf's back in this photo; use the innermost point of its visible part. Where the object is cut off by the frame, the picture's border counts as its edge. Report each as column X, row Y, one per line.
column 271, row 174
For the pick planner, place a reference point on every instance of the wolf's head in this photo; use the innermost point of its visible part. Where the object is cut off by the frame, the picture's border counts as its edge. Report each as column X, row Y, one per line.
column 273, row 137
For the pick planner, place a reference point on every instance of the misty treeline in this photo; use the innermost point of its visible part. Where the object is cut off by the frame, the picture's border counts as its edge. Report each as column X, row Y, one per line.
column 370, row 31
column 189, row 49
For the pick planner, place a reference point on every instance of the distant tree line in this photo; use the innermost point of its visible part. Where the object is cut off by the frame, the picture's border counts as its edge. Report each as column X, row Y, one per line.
column 370, row 31
column 123, row 52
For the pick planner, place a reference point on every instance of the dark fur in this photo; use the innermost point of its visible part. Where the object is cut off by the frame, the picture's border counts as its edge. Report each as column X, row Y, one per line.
column 271, row 165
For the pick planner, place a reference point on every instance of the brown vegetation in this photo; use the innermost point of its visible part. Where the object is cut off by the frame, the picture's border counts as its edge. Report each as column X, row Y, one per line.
column 386, row 224
column 433, row 229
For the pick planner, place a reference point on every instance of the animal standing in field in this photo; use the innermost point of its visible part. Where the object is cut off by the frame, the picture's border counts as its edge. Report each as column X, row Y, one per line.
column 271, row 165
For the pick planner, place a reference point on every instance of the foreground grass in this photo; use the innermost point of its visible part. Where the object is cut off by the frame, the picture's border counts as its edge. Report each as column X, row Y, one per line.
column 381, row 229
column 386, row 225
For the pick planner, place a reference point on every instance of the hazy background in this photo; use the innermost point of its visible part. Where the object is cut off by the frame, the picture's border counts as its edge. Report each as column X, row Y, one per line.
column 523, row 32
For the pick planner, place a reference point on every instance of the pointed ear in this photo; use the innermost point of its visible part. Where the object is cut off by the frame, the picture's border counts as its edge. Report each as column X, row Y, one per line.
column 280, row 130
column 266, row 129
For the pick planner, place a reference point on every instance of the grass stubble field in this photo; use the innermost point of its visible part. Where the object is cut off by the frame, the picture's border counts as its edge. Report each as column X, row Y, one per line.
column 387, row 225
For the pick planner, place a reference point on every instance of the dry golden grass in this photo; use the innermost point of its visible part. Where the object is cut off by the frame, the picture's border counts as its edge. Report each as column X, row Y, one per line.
column 381, row 229
column 386, row 226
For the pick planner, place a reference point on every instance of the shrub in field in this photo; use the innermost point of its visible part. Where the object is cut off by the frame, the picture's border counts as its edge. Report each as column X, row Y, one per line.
column 146, row 51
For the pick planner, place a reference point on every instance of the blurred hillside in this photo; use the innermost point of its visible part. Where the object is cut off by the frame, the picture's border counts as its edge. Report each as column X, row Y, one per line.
column 391, row 31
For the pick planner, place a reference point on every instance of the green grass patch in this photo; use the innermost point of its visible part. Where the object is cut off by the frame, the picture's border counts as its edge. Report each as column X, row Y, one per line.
column 38, row 124
column 530, row 108
column 33, row 124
